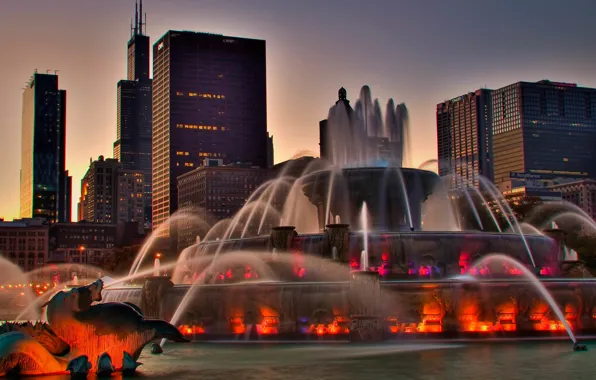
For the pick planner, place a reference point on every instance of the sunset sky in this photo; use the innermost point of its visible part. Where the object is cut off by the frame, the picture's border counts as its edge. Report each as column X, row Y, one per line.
column 420, row 52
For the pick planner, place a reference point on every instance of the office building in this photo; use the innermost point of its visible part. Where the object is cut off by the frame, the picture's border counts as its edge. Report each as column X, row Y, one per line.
column 45, row 184
column 544, row 128
column 25, row 242
column 215, row 192
column 464, row 137
column 134, row 112
column 111, row 194
column 209, row 101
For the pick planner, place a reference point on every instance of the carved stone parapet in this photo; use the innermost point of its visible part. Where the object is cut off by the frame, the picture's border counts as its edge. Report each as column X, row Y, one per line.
column 281, row 238
column 366, row 319
column 154, row 295
column 337, row 236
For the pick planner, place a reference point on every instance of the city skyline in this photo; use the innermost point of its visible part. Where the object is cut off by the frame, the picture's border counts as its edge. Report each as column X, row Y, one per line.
column 307, row 62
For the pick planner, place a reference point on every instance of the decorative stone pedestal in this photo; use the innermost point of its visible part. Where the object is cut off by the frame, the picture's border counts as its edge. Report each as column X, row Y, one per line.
column 336, row 237
column 281, row 237
column 154, row 295
column 366, row 320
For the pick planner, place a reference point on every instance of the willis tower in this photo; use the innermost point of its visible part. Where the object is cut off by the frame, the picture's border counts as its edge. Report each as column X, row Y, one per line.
column 133, row 145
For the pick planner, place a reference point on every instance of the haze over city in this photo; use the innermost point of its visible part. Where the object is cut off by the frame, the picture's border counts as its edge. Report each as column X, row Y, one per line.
column 420, row 54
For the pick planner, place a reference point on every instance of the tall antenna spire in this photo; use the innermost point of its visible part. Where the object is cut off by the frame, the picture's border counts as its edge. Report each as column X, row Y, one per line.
column 131, row 28
column 136, row 18
column 141, row 17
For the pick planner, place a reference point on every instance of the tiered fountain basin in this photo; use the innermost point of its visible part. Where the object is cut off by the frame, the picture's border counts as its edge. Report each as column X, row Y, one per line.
column 384, row 274
column 431, row 308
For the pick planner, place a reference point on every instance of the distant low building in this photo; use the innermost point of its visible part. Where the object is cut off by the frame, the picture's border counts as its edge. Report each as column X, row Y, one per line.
column 25, row 242
column 81, row 244
column 582, row 193
column 216, row 192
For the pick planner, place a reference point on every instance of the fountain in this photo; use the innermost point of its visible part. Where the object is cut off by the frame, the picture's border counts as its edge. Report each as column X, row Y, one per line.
column 289, row 266
column 316, row 278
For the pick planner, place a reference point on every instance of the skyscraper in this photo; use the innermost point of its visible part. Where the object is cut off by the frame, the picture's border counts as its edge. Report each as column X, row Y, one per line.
column 464, row 137
column 45, row 183
column 111, row 194
column 134, row 113
column 209, row 101
column 544, row 128
column 520, row 136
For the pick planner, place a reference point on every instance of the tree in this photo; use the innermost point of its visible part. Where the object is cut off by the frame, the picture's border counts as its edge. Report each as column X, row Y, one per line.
column 522, row 207
column 119, row 261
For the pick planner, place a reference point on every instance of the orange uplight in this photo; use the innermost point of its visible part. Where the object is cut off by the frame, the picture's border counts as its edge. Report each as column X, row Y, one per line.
column 480, row 327
column 158, row 255
column 467, row 318
column 237, row 325
column 505, row 322
column 269, row 326
column 338, row 326
column 508, row 327
column 430, row 324
column 320, row 329
column 392, row 325
column 423, row 328
column 553, row 326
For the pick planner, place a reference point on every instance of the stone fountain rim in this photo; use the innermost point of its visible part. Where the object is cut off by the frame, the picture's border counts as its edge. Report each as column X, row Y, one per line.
column 283, row 228
column 337, row 225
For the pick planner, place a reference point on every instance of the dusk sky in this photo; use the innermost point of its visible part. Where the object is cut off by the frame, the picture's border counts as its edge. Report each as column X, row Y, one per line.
column 420, row 52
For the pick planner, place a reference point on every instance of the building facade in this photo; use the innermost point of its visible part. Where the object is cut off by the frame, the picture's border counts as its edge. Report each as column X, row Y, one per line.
column 581, row 193
column 464, row 137
column 45, row 183
column 543, row 128
column 111, row 194
column 81, row 244
column 215, row 192
column 209, row 101
column 134, row 111
column 25, row 242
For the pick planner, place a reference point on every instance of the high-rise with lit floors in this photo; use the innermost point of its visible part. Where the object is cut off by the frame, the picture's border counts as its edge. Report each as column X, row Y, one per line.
column 134, row 112
column 464, row 137
column 111, row 194
column 45, row 183
column 209, row 101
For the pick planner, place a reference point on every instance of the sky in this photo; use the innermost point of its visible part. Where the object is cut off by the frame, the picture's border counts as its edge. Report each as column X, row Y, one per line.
column 417, row 52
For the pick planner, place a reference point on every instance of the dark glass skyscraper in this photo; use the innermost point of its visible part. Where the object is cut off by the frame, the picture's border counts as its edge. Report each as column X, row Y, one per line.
column 134, row 121
column 464, row 137
column 209, row 101
column 45, row 184
column 544, row 128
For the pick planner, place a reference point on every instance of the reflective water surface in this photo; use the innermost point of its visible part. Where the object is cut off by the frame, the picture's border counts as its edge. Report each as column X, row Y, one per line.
column 511, row 361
